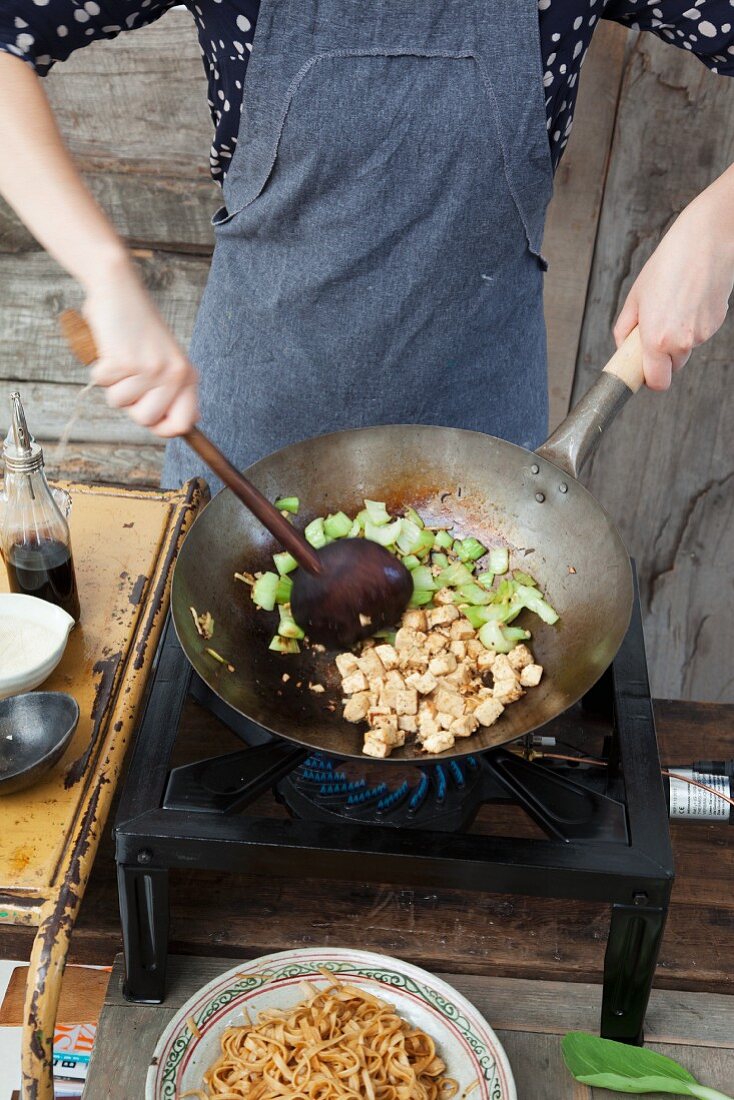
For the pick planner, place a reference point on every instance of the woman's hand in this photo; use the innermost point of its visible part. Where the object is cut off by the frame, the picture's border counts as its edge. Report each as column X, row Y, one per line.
column 140, row 363
column 681, row 296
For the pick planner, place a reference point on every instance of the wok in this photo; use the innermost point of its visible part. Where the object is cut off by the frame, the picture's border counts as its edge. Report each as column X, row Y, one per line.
column 479, row 485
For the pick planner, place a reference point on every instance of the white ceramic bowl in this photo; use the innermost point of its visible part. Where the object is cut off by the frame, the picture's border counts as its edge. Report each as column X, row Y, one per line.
column 472, row 1052
column 33, row 636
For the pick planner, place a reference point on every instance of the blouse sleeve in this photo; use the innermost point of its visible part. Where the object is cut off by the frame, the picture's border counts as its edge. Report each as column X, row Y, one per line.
column 42, row 32
column 704, row 27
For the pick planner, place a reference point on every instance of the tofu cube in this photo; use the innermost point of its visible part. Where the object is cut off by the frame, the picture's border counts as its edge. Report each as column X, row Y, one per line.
column 390, row 734
column 507, row 691
column 464, row 727
column 436, row 642
column 406, row 701
column 488, row 712
column 415, row 619
column 442, row 664
column 356, row 708
column 346, row 663
column 445, row 720
column 408, row 723
column 371, row 665
column 423, row 682
column 461, row 630
column 427, row 724
column 530, row 675
column 407, row 639
column 520, row 657
column 485, row 660
column 474, row 648
column 355, row 682
column 388, row 655
column 444, row 597
column 378, row 749
column 502, row 669
column 438, row 742
column 458, row 649
column 449, row 702
column 438, row 615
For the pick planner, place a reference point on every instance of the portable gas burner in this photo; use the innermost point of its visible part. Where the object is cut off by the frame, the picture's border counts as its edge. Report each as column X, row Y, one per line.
column 605, row 828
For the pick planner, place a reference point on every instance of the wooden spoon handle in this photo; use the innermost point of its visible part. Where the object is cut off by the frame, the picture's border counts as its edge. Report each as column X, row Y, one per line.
column 80, row 339
column 626, row 363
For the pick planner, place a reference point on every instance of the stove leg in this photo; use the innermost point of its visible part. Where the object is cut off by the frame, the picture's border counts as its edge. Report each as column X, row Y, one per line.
column 629, row 967
column 143, row 894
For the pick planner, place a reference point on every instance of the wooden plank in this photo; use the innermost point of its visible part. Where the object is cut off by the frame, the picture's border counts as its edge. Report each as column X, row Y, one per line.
column 665, row 470
column 528, row 1016
column 82, row 996
column 573, row 215
column 106, row 464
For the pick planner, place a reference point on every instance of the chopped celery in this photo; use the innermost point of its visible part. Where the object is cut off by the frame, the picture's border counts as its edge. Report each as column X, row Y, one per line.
column 377, row 513
column 420, row 598
column 515, row 634
column 427, row 540
column 499, row 559
column 469, row 549
column 284, row 563
column 444, row 540
column 337, row 526
column 384, row 534
column 533, row 600
column 486, row 579
column 361, row 518
column 441, row 561
column 412, row 515
column 473, row 594
column 505, row 590
column 411, row 562
column 385, row 635
column 264, row 590
column 355, row 530
column 477, row 616
column 288, row 627
column 502, row 612
column 288, row 504
column 315, row 533
column 455, row 575
column 524, row 578
column 492, row 637
column 410, row 536
column 423, row 579
column 283, row 591
column 284, row 645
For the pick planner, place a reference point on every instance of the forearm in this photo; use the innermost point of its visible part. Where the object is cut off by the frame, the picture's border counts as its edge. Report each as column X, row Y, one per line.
column 717, row 204
column 39, row 180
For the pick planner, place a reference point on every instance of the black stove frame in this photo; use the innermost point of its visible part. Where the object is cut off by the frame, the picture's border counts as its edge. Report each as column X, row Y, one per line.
column 600, row 847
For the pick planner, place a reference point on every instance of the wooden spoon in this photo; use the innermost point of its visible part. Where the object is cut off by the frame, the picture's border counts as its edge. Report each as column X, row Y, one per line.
column 343, row 592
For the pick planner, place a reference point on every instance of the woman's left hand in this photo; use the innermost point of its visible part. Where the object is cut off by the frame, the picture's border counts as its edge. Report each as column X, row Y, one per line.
column 681, row 296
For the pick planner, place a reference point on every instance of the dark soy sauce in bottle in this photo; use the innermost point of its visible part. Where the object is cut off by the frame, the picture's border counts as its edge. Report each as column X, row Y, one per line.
column 44, row 569
column 34, row 535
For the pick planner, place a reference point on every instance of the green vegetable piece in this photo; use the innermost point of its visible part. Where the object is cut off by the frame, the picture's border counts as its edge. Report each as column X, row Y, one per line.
column 420, row 598
column 355, row 530
column 524, row 578
column 440, row 560
column 288, row 504
column 264, row 591
column 470, row 549
column 491, row 637
column 411, row 536
column 444, row 540
column 454, row 575
column 622, row 1068
column 337, row 526
column 411, row 562
column 505, row 590
column 283, row 591
column 425, row 544
column 386, row 635
column 473, row 594
column 284, row 645
column 412, row 515
column 533, row 600
column 477, row 616
column 288, row 627
column 384, row 534
column 315, row 533
column 515, row 634
column 377, row 513
column 285, row 563
column 423, row 579
column 486, row 579
column 361, row 518
column 499, row 559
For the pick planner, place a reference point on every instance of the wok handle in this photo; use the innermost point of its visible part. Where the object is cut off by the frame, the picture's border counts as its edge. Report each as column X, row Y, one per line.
column 81, row 341
column 575, row 440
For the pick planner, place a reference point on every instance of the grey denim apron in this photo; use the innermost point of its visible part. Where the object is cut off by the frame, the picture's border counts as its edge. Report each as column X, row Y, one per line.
column 378, row 257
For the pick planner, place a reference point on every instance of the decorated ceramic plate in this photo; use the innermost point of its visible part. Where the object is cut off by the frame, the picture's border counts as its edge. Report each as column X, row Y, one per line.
column 463, row 1038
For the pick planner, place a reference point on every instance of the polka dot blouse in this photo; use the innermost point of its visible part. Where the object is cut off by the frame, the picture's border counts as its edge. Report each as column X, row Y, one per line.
column 45, row 31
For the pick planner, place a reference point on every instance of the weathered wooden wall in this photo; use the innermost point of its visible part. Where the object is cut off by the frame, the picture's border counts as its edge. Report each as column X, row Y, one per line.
column 652, row 127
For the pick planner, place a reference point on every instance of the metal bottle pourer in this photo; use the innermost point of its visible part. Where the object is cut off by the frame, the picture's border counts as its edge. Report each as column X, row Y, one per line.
column 21, row 453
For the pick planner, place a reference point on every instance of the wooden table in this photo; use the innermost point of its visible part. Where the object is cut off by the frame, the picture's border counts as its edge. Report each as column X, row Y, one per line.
column 529, row 1017
column 124, row 544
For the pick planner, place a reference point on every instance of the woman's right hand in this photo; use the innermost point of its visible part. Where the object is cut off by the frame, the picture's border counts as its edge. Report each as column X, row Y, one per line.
column 141, row 365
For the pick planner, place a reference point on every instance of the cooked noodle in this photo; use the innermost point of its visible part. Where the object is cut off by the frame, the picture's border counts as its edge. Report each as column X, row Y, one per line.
column 341, row 1043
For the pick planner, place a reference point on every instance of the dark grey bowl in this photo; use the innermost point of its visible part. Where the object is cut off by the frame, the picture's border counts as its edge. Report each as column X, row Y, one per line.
column 35, row 730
